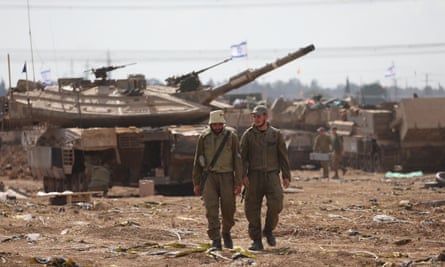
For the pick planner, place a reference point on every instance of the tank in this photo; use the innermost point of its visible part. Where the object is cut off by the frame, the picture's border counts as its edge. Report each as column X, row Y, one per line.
column 125, row 128
column 75, row 102
column 298, row 121
column 62, row 156
column 403, row 136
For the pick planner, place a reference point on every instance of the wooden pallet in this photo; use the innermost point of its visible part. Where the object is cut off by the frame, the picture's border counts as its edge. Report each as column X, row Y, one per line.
column 63, row 199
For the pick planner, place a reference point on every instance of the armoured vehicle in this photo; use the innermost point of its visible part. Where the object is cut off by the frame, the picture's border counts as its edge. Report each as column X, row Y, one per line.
column 164, row 154
column 408, row 134
column 298, row 120
column 132, row 128
column 75, row 102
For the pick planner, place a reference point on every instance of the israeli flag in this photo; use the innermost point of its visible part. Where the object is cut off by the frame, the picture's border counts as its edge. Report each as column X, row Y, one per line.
column 390, row 72
column 239, row 50
column 46, row 76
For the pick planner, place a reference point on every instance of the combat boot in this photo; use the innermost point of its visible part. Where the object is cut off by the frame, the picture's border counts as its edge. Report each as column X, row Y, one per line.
column 270, row 238
column 256, row 245
column 228, row 243
column 216, row 244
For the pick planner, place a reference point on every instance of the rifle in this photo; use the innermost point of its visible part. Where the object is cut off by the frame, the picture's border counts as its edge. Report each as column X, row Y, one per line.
column 212, row 163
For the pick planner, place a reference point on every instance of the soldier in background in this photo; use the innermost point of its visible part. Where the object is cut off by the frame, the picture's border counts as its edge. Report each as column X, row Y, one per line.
column 221, row 182
column 264, row 155
column 337, row 149
column 322, row 144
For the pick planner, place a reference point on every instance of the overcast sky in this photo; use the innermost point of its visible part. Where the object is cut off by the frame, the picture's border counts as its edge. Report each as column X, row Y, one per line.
column 359, row 39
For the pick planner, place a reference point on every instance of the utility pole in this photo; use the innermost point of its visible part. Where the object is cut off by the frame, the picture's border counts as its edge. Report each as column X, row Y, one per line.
column 426, row 79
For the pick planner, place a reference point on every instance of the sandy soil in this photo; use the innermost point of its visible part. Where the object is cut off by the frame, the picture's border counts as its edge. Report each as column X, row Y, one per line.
column 362, row 219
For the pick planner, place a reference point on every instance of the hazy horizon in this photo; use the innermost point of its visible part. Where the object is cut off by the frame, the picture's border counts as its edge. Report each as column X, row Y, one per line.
column 355, row 39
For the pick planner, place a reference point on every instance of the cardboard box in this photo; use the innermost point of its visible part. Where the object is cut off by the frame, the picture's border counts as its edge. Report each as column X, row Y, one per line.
column 146, row 188
column 319, row 156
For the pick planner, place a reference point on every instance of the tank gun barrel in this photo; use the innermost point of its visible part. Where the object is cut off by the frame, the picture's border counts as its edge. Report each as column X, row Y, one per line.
column 214, row 65
column 251, row 74
column 102, row 72
column 177, row 80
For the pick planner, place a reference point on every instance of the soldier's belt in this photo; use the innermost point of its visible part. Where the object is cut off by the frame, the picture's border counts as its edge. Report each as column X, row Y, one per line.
column 263, row 171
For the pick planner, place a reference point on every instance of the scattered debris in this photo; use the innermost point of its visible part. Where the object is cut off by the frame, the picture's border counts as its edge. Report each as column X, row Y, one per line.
column 56, row 262
column 402, row 242
column 403, row 175
column 436, row 203
column 440, row 178
column 127, row 223
column 387, row 218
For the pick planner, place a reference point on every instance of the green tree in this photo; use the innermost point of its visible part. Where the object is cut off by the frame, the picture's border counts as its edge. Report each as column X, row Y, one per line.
column 372, row 94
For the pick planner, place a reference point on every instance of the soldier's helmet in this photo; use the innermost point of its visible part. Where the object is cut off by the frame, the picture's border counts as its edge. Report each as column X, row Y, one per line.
column 259, row 110
column 217, row 116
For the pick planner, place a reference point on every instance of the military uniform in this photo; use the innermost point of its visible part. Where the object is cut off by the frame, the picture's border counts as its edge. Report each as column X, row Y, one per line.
column 322, row 144
column 337, row 148
column 264, row 155
column 221, row 179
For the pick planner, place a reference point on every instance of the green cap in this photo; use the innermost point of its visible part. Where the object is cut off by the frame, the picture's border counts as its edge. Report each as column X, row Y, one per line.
column 259, row 110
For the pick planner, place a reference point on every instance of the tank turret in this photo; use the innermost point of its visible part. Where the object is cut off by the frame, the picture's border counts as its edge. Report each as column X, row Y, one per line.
column 75, row 102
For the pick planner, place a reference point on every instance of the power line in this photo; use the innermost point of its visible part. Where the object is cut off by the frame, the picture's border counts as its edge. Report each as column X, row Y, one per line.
column 95, row 4
column 185, row 55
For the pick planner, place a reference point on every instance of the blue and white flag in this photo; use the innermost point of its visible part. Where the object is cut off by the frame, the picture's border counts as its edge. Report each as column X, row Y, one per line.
column 24, row 68
column 239, row 50
column 46, row 76
column 390, row 72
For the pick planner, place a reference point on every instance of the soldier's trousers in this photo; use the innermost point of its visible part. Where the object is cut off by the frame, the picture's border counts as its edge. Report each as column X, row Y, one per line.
column 336, row 159
column 325, row 167
column 262, row 184
column 218, row 191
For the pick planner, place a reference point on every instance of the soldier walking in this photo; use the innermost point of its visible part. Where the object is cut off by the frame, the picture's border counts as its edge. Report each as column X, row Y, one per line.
column 217, row 175
column 337, row 149
column 322, row 144
column 264, row 155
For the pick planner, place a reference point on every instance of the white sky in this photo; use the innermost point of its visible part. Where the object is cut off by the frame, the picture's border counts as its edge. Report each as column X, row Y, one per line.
column 358, row 39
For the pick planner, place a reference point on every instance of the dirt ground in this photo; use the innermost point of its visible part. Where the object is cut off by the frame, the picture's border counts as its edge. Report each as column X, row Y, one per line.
column 362, row 219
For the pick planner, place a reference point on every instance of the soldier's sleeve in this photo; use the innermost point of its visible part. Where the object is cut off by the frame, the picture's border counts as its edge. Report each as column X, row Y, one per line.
column 283, row 157
column 244, row 147
column 238, row 166
column 197, row 168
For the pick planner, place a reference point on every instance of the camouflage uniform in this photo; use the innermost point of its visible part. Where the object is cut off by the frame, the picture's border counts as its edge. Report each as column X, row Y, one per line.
column 264, row 154
column 337, row 148
column 322, row 144
column 221, row 179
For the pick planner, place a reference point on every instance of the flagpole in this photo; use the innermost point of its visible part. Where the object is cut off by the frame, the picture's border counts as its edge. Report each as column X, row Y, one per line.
column 30, row 41
column 9, row 73
column 26, row 77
